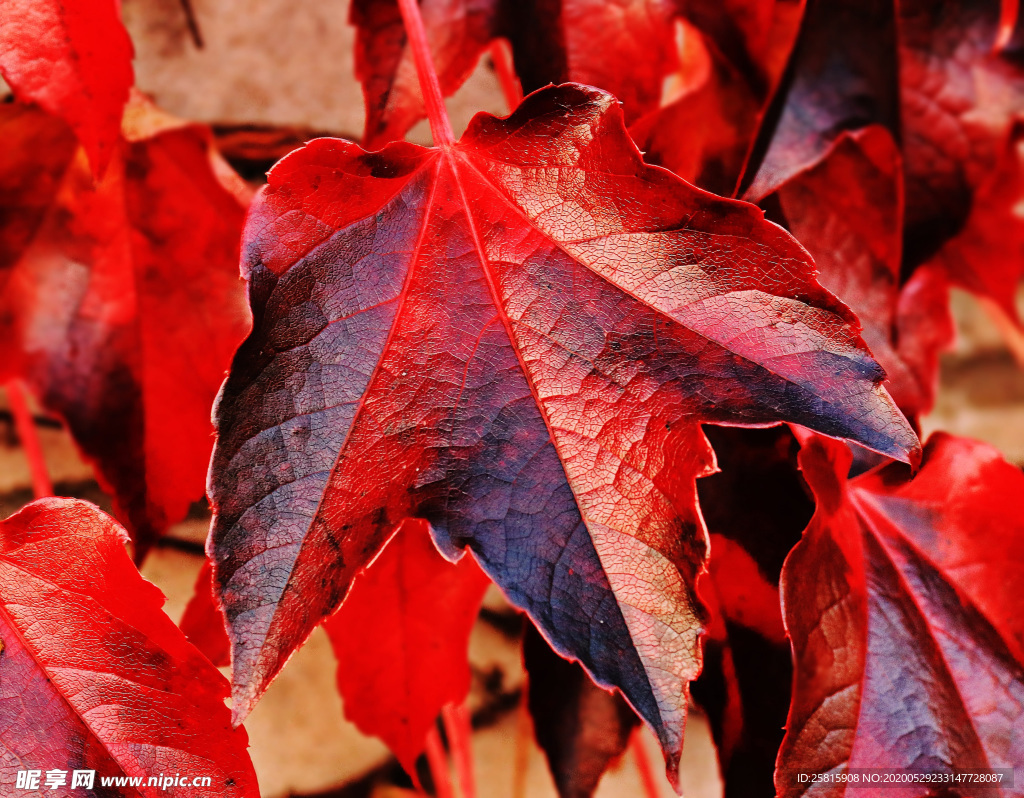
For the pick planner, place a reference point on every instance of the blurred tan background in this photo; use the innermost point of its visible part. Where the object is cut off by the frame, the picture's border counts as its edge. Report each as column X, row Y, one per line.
column 289, row 62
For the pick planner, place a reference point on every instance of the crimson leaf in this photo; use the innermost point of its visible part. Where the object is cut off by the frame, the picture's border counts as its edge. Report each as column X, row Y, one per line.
column 903, row 602
column 401, row 640
column 842, row 76
column 120, row 300
column 74, row 59
column 93, row 675
column 514, row 337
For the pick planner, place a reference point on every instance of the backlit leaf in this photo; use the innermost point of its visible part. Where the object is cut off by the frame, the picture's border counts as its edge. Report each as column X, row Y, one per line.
column 93, row 675
column 904, row 605
column 516, row 339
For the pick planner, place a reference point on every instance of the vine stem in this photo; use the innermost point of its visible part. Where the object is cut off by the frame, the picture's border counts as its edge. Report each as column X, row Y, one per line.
column 1007, row 23
column 507, row 78
column 28, row 434
column 524, row 743
column 438, row 763
column 644, row 764
column 460, row 742
column 430, row 86
column 1008, row 329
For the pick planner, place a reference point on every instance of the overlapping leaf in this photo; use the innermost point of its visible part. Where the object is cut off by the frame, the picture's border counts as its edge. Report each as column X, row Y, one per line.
column 904, row 604
column 120, row 300
column 514, row 338
column 755, row 509
column 203, row 624
column 930, row 72
column 847, row 210
column 74, row 59
column 626, row 48
column 706, row 132
column 987, row 256
column 582, row 728
column 93, row 675
column 401, row 640
column 960, row 98
column 842, row 77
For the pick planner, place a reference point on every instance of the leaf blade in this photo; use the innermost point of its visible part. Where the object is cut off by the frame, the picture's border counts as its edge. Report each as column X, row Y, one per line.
column 122, row 689
column 561, row 453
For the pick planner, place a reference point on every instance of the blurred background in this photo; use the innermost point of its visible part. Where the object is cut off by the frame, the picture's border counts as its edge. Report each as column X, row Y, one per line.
column 267, row 78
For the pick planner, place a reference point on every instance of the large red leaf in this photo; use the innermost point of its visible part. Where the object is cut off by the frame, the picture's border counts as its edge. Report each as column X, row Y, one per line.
column 93, row 675
column 847, row 209
column 73, row 58
column 120, row 300
column 401, row 640
column 582, row 728
column 514, row 337
column 904, row 603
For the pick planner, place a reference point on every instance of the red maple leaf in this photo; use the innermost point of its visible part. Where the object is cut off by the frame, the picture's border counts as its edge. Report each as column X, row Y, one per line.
column 94, row 676
column 401, row 640
column 120, row 300
column 904, row 603
column 74, row 59
column 514, row 337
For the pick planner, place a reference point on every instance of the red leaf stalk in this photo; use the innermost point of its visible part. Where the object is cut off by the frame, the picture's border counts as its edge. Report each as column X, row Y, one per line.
column 648, row 776
column 460, row 737
column 28, row 434
column 1009, row 330
column 524, row 741
column 440, row 126
column 1007, row 22
column 437, row 761
column 510, row 85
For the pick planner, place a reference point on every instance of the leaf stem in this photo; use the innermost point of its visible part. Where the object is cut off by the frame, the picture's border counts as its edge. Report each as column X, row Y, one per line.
column 1009, row 12
column 438, row 764
column 644, row 764
column 1009, row 329
column 460, row 741
column 433, row 99
column 510, row 85
column 28, row 434
column 524, row 743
